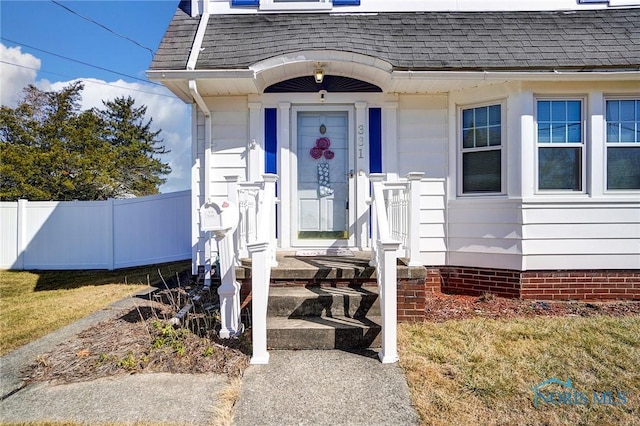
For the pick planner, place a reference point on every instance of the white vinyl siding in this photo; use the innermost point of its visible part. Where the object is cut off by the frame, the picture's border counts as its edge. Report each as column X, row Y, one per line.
column 367, row 6
column 433, row 246
column 422, row 135
column 422, row 147
column 485, row 233
column 292, row 5
column 585, row 235
column 229, row 140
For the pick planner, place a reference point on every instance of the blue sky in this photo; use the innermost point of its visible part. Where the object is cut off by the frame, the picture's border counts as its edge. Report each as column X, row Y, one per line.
column 34, row 32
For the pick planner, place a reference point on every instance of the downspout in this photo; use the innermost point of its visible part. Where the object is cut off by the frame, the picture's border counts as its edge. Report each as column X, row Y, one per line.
column 193, row 88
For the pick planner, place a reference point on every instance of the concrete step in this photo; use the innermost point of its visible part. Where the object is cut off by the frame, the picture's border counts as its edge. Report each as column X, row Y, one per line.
column 337, row 332
column 301, row 302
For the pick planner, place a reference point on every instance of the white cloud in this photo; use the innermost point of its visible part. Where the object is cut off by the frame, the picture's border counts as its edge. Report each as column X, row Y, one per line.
column 17, row 70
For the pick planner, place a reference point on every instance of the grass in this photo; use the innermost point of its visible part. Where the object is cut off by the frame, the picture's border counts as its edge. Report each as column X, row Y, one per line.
column 482, row 371
column 35, row 303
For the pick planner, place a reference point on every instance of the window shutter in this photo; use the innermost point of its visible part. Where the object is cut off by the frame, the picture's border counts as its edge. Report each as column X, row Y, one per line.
column 270, row 140
column 245, row 2
column 375, row 140
column 346, row 2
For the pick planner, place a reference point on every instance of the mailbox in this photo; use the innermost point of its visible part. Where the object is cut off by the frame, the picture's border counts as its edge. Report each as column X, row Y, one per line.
column 219, row 218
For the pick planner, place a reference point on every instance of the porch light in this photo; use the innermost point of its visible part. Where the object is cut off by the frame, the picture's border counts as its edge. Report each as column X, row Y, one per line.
column 318, row 75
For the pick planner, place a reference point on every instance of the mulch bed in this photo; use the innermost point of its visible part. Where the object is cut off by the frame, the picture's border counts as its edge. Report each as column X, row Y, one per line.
column 141, row 341
column 443, row 307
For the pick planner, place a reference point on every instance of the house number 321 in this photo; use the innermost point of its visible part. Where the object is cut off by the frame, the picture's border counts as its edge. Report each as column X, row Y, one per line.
column 360, row 140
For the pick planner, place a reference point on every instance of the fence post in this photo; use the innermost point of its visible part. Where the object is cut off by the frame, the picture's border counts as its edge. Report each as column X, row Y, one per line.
column 111, row 231
column 21, row 237
column 414, row 179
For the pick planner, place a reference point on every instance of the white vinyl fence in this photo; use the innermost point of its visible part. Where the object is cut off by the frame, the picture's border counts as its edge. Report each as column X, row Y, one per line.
column 95, row 234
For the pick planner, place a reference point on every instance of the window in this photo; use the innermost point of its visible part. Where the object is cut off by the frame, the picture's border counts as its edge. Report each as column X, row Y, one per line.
column 560, row 145
column 294, row 4
column 482, row 150
column 623, row 143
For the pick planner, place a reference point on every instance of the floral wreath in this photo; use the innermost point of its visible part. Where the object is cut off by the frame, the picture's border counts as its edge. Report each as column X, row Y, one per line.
column 321, row 149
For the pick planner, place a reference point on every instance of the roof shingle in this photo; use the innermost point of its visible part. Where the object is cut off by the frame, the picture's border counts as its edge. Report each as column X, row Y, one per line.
column 593, row 39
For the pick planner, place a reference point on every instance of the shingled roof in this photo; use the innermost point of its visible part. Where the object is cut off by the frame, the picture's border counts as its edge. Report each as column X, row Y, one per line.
column 582, row 40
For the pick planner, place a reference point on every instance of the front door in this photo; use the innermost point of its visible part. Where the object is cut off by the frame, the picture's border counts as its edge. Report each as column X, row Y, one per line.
column 322, row 173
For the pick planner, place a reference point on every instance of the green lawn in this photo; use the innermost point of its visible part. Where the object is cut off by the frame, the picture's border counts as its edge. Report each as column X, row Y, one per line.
column 34, row 303
column 482, row 372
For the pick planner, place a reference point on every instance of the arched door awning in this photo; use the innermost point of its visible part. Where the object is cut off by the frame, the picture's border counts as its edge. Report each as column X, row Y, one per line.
column 330, row 83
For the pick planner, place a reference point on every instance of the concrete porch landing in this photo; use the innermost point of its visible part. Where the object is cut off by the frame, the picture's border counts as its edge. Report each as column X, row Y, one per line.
column 320, row 270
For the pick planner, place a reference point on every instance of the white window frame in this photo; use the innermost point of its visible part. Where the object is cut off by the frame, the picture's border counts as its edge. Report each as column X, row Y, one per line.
column 582, row 145
column 502, row 147
column 608, row 144
column 296, row 5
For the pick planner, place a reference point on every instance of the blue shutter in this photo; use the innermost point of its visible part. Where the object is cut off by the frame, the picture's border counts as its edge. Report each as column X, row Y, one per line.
column 245, row 2
column 346, row 2
column 271, row 149
column 271, row 140
column 375, row 140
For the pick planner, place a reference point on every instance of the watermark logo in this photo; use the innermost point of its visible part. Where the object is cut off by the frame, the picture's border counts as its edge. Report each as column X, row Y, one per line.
column 554, row 391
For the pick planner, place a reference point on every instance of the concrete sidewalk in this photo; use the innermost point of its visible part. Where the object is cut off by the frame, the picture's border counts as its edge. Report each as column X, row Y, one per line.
column 296, row 388
column 324, row 388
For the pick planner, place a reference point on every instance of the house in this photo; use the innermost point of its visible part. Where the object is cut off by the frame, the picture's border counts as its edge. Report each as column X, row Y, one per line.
column 520, row 122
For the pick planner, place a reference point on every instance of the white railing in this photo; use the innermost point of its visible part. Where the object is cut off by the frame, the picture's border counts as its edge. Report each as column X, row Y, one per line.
column 256, row 236
column 402, row 206
column 395, row 221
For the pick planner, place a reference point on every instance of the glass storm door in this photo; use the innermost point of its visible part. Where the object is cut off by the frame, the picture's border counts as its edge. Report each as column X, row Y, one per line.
column 322, row 191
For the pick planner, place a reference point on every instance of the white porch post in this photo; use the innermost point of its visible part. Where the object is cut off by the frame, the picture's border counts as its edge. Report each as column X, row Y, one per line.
column 232, row 195
column 390, row 141
column 259, row 300
column 284, row 168
column 389, row 300
column 414, row 179
column 229, row 290
column 270, row 188
column 362, row 183
column 374, row 177
column 255, row 147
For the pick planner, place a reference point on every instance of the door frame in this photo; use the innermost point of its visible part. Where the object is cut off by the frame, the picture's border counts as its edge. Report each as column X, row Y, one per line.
column 293, row 176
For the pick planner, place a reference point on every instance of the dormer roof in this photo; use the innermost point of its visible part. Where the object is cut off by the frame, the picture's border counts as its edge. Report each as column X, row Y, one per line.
column 605, row 39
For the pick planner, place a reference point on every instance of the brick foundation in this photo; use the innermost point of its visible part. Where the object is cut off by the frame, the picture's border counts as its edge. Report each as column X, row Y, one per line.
column 581, row 285
column 413, row 294
column 477, row 281
column 595, row 285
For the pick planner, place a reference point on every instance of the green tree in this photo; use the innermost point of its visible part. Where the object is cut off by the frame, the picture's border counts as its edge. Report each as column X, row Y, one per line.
column 138, row 169
column 51, row 150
